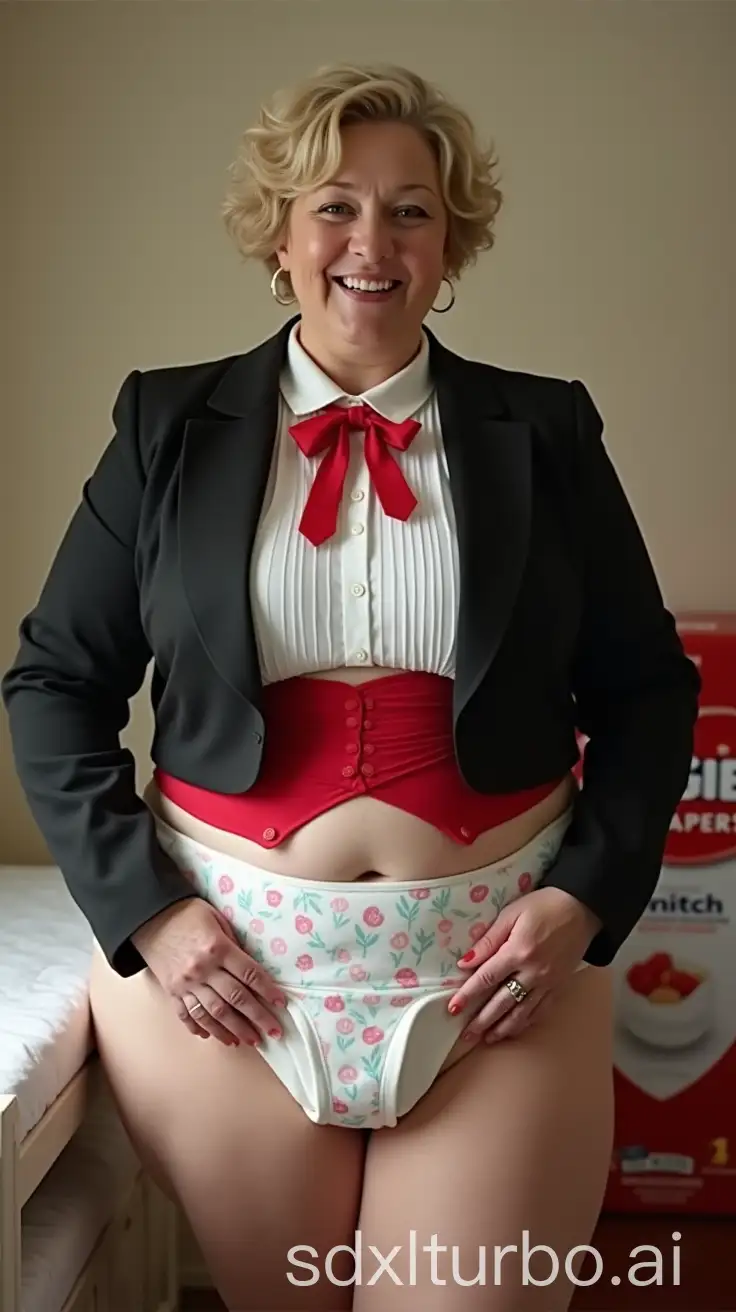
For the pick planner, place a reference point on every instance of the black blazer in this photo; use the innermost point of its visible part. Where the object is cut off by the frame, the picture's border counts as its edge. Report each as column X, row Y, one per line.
column 561, row 625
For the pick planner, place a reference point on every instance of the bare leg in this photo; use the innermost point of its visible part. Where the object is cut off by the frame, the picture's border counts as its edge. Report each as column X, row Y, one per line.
column 516, row 1137
column 222, row 1136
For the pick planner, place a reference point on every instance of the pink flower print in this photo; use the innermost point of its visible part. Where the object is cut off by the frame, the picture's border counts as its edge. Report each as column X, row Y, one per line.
column 225, row 884
column 400, row 940
column 339, row 904
column 343, row 955
column 419, row 894
column 373, row 917
column 340, row 1107
column 371, row 1000
column 304, row 962
column 347, row 1075
column 303, row 925
column 334, row 1003
column 406, row 978
column 273, row 898
column 476, row 932
column 228, row 913
column 445, row 926
column 278, row 946
column 372, row 1034
column 401, row 1000
column 344, row 1025
column 256, row 927
column 525, row 882
column 357, row 973
column 479, row 893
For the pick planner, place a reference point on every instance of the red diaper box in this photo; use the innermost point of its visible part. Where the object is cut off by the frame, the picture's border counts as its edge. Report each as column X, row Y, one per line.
column 675, row 977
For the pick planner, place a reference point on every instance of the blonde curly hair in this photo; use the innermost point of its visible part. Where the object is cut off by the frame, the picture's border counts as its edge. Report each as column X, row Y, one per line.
column 296, row 147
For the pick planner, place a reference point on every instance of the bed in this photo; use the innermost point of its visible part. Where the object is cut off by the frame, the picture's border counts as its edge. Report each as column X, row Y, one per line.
column 82, row 1228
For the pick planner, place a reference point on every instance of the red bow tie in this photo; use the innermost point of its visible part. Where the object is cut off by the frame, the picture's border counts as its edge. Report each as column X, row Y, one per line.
column 329, row 431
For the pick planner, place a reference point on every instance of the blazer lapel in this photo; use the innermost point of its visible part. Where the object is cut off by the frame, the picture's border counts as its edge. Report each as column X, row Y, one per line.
column 225, row 465
column 489, row 460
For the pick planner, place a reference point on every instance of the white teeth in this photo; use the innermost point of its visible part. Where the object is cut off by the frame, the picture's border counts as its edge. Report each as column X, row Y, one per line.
column 363, row 285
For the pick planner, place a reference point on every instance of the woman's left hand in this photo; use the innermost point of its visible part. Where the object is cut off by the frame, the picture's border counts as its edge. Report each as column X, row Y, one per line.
column 538, row 940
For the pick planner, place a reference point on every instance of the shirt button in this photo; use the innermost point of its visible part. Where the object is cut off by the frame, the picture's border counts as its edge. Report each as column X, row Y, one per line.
column 369, row 749
column 361, row 656
column 366, row 769
column 357, row 589
column 352, row 704
column 351, row 722
column 269, row 834
column 356, row 530
column 348, row 771
column 357, row 495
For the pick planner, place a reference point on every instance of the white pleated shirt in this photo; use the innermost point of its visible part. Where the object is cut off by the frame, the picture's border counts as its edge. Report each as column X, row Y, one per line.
column 381, row 591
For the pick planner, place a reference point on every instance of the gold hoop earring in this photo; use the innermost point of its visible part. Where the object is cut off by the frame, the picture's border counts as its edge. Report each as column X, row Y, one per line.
column 452, row 301
column 281, row 300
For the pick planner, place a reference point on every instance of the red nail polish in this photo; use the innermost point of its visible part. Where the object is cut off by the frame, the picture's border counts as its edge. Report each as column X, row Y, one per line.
column 455, row 1007
column 275, row 1034
column 468, row 955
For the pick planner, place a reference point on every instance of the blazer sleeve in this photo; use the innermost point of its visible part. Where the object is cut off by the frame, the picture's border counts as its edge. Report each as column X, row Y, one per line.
column 636, row 695
column 82, row 657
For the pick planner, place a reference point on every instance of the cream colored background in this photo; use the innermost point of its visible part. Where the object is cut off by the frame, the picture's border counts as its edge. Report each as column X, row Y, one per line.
column 615, row 258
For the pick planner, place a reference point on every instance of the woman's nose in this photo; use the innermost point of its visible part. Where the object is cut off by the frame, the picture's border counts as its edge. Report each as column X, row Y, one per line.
column 372, row 240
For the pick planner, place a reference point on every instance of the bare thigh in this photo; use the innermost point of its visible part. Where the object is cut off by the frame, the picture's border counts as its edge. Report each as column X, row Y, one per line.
column 221, row 1135
column 515, row 1138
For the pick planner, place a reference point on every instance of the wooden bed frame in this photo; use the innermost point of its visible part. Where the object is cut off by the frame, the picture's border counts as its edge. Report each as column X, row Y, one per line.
column 133, row 1266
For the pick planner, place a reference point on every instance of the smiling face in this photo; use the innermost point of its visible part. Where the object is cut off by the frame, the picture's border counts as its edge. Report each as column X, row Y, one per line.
column 382, row 222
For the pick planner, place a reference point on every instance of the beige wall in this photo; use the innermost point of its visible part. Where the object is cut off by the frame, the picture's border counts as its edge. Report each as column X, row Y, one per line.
column 615, row 259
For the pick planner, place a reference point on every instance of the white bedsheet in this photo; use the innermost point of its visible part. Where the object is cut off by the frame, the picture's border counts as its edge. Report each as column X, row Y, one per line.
column 64, row 1218
column 45, row 953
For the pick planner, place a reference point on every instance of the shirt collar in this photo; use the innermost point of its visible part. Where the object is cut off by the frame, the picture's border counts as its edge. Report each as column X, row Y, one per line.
column 306, row 388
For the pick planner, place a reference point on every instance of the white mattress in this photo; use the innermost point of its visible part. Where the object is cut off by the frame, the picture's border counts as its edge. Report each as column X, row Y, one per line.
column 64, row 1218
column 45, row 954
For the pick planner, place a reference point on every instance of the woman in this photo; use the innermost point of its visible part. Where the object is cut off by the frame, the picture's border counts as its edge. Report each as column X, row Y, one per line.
column 382, row 587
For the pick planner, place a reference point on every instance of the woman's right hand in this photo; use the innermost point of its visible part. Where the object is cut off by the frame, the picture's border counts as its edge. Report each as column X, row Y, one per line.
column 216, row 987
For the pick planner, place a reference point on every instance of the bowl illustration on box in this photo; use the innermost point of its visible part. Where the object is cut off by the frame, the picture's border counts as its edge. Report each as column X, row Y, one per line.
column 666, row 1002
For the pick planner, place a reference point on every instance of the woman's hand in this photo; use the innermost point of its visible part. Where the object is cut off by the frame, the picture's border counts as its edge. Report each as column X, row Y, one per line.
column 537, row 940
column 216, row 987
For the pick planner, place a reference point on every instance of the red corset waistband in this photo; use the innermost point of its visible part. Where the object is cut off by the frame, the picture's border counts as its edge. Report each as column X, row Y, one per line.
column 328, row 741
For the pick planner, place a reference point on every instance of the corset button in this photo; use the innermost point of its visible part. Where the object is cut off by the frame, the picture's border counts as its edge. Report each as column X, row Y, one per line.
column 348, row 771
column 352, row 704
column 366, row 769
column 369, row 749
column 368, row 703
column 351, row 749
column 465, row 832
column 367, row 724
column 269, row 834
column 351, row 722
